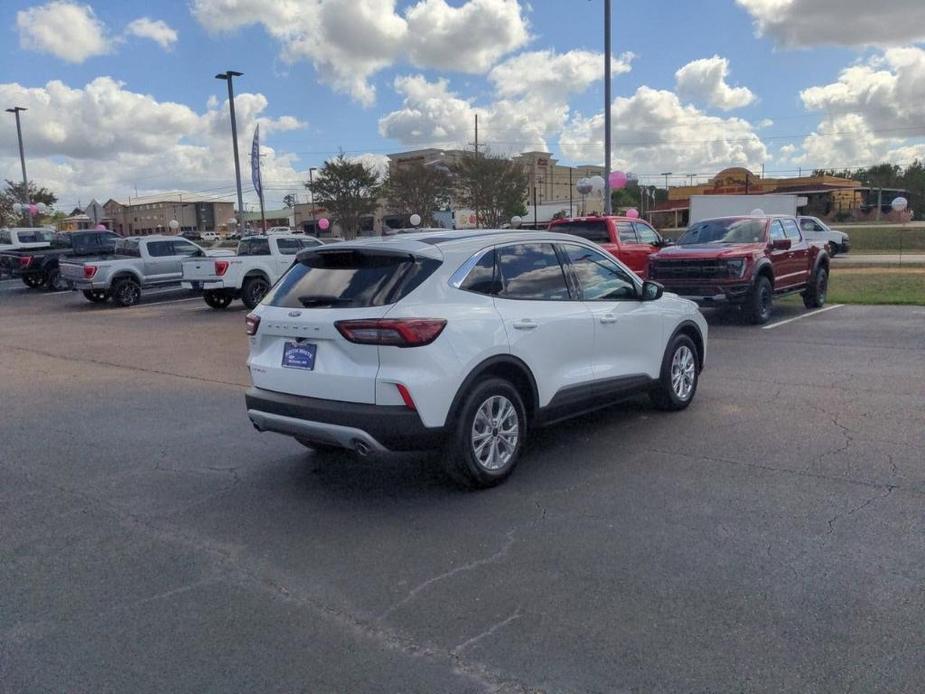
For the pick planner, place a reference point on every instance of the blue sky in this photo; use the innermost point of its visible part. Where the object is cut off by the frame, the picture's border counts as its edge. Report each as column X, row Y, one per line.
column 374, row 76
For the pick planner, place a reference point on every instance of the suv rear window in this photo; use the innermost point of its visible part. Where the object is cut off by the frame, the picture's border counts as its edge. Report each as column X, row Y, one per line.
column 593, row 231
column 350, row 278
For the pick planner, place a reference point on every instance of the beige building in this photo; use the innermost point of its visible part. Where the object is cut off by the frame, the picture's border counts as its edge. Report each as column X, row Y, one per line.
column 152, row 214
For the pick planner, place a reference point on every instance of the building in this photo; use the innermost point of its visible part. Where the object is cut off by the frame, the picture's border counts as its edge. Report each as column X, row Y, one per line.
column 275, row 218
column 828, row 197
column 152, row 214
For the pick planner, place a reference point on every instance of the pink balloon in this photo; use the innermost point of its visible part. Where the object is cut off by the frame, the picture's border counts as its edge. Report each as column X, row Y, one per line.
column 33, row 209
column 101, row 227
column 323, row 224
column 617, row 180
column 632, row 213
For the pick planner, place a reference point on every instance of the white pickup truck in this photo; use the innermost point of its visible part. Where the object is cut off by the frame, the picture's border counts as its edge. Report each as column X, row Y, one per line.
column 260, row 261
column 21, row 238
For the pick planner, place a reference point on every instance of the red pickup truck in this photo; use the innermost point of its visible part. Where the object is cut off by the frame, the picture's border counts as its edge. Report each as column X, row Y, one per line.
column 631, row 241
column 744, row 261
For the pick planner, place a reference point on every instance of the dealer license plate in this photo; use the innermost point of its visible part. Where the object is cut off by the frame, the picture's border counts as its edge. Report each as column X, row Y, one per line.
column 299, row 355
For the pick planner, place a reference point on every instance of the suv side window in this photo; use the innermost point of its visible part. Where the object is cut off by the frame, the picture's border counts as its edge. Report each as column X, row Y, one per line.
column 646, row 233
column 625, row 232
column 288, row 246
column 599, row 277
column 254, row 246
column 483, row 277
column 309, row 242
column 791, row 230
column 532, row 271
column 160, row 249
column 777, row 231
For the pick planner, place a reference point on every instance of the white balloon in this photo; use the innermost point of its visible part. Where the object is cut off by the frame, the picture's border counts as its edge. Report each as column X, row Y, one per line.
column 415, row 220
column 43, row 208
column 173, row 224
column 597, row 183
column 900, row 204
column 17, row 208
column 757, row 212
column 584, row 186
column 516, row 221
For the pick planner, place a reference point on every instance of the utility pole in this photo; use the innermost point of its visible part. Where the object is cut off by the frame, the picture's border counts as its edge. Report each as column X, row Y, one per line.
column 22, row 160
column 607, row 201
column 229, row 77
column 535, row 224
column 476, row 134
column 570, row 191
column 311, row 193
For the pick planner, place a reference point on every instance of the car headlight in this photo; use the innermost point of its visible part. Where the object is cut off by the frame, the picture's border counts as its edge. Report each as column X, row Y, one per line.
column 736, row 268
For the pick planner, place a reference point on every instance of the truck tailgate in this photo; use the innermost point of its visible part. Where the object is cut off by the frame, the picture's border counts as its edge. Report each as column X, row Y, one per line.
column 71, row 270
column 200, row 270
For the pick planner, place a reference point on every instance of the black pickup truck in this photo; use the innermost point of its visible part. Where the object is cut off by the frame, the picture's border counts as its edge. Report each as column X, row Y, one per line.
column 39, row 267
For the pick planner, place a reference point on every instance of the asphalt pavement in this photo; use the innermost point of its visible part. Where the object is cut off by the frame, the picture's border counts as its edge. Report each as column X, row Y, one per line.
column 769, row 538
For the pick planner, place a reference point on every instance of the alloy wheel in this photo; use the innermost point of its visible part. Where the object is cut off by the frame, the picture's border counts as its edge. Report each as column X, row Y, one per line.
column 495, row 433
column 683, row 372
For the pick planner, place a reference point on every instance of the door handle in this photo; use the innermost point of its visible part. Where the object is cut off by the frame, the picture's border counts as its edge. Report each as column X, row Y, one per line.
column 608, row 318
column 525, row 324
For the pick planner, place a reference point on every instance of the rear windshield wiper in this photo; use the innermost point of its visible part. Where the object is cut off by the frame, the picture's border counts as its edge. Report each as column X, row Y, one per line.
column 313, row 300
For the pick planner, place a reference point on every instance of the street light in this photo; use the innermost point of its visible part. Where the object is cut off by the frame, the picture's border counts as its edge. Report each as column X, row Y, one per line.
column 229, row 77
column 666, row 174
column 607, row 201
column 22, row 158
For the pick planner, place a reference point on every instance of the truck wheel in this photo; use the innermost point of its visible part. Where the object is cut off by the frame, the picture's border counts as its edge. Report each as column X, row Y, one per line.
column 33, row 281
column 677, row 383
column 815, row 294
column 834, row 248
column 96, row 296
column 489, row 435
column 126, row 292
column 253, row 291
column 759, row 302
column 217, row 300
column 55, row 282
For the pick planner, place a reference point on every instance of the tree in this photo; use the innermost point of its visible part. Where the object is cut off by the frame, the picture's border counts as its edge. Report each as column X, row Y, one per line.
column 419, row 189
column 349, row 189
column 13, row 193
column 493, row 186
column 290, row 200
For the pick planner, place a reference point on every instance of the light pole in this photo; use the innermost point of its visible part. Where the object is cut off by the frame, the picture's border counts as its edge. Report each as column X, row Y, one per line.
column 22, row 159
column 607, row 201
column 666, row 174
column 311, row 194
column 229, row 77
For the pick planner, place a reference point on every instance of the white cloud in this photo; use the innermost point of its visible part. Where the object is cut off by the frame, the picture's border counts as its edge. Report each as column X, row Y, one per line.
column 156, row 30
column 553, row 75
column 799, row 23
column 101, row 140
column 653, row 131
column 870, row 111
column 66, row 30
column 348, row 41
column 704, row 81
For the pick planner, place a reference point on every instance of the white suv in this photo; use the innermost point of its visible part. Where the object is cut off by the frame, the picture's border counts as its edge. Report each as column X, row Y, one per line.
column 466, row 339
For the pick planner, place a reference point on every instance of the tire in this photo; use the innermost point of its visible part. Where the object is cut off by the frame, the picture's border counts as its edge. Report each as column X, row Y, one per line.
column 217, row 300
column 760, row 301
column 677, row 383
column 33, row 281
column 96, row 296
column 818, row 289
column 493, row 416
column 55, row 282
column 253, row 291
column 322, row 448
column 126, row 292
column 834, row 249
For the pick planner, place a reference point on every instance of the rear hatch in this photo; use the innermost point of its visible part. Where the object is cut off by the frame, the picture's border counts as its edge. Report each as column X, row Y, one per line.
column 299, row 350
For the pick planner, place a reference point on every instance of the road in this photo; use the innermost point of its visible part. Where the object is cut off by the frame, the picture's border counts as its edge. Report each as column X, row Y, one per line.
column 879, row 259
column 769, row 538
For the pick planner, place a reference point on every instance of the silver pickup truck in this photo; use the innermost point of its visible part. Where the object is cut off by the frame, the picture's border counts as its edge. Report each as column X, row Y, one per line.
column 139, row 262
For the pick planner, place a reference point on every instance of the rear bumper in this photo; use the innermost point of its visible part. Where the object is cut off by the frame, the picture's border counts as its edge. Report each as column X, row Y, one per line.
column 344, row 424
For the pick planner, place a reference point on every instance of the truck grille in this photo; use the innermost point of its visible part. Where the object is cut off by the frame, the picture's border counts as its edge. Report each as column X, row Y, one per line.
column 687, row 269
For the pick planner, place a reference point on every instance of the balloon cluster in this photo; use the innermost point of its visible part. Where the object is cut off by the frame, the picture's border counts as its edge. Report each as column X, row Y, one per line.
column 32, row 209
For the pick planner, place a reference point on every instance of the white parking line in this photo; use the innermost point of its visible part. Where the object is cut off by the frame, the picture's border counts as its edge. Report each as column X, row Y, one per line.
column 805, row 315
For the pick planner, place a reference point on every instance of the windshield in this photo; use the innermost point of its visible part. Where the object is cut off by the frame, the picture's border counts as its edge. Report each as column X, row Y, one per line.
column 592, row 231
column 733, row 230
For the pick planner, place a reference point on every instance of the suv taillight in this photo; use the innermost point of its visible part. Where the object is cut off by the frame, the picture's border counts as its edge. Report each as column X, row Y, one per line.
column 398, row 332
column 251, row 323
column 221, row 267
column 25, row 261
column 90, row 271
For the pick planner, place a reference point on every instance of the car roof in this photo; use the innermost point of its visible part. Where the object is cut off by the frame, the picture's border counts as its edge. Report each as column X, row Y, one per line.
column 153, row 237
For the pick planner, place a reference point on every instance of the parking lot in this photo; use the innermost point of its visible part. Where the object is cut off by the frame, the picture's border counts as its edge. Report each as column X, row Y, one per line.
column 769, row 538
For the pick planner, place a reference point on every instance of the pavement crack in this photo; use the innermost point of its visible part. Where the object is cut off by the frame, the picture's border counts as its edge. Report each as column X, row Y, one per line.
column 867, row 502
column 469, row 566
column 517, row 614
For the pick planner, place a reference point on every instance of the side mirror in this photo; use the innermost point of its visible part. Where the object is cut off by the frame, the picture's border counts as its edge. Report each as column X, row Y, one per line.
column 651, row 291
column 781, row 244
